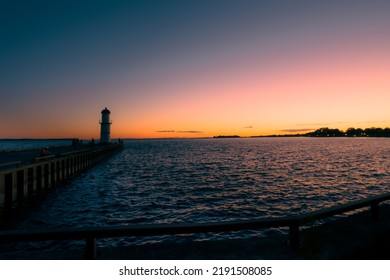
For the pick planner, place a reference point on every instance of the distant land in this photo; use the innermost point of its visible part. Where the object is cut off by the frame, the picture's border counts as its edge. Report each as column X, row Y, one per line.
column 329, row 132
column 227, row 136
column 350, row 132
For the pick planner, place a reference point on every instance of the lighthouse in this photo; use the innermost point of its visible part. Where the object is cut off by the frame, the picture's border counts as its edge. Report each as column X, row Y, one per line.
column 105, row 127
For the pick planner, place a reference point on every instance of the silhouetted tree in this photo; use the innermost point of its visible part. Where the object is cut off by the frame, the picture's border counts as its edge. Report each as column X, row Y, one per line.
column 359, row 132
column 326, row 132
column 351, row 132
column 374, row 132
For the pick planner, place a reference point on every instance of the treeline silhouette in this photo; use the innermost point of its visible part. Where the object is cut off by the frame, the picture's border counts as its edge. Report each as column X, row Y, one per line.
column 350, row 132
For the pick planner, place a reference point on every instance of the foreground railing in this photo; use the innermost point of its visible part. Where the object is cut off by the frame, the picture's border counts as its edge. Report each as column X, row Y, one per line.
column 292, row 222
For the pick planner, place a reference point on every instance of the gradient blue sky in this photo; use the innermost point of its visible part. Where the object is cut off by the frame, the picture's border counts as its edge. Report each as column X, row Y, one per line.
column 192, row 68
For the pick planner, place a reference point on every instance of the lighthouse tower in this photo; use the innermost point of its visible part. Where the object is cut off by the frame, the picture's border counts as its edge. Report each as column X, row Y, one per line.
column 105, row 127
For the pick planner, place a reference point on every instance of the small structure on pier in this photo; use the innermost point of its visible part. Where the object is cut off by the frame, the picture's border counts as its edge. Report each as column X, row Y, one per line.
column 105, row 124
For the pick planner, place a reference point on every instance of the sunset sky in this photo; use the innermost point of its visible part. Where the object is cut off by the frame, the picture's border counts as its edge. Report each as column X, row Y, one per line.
column 192, row 68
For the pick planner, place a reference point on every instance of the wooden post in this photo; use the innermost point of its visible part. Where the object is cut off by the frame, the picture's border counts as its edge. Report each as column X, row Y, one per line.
column 53, row 179
column 294, row 235
column 375, row 210
column 30, row 181
column 20, row 183
column 2, row 190
column 90, row 249
column 78, row 160
column 65, row 167
column 8, row 190
column 62, row 170
column 39, row 177
column 47, row 176
column 70, row 167
column 59, row 170
column 74, row 163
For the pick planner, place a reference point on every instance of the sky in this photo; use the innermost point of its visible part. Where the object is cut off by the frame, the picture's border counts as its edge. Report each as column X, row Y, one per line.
column 192, row 68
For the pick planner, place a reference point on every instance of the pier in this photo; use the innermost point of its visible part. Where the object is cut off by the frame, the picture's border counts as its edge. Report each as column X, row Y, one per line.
column 26, row 173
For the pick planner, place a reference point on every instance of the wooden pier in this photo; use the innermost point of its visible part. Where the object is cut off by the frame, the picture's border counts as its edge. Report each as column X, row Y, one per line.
column 20, row 179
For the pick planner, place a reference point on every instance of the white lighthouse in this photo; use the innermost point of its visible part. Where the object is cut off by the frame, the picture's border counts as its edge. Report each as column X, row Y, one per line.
column 105, row 124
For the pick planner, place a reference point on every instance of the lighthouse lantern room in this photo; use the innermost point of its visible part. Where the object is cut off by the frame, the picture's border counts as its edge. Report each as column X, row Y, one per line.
column 105, row 124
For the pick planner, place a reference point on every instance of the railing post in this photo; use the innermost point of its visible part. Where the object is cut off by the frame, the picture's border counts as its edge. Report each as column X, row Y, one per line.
column 20, row 183
column 375, row 210
column 47, row 176
column 8, row 190
column 90, row 249
column 294, row 235
column 39, row 177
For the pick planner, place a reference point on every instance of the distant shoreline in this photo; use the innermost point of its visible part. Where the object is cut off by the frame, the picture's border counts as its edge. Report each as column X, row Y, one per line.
column 321, row 132
column 327, row 132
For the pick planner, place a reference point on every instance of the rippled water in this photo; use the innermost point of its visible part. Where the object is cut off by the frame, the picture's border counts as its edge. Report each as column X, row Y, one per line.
column 203, row 180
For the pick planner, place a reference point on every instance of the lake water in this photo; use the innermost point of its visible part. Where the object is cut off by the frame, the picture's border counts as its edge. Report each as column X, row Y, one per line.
column 208, row 180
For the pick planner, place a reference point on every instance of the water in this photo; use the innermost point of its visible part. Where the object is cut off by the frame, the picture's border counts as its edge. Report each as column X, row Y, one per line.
column 209, row 180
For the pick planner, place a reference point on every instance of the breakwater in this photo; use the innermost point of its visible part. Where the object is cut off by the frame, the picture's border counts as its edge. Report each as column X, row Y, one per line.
column 20, row 180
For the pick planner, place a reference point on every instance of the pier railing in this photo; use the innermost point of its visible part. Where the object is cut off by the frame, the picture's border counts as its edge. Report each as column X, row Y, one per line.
column 10, row 164
column 292, row 222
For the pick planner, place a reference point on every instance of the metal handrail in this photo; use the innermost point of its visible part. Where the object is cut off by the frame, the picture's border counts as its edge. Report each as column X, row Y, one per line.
column 91, row 149
column 372, row 202
column 75, row 152
column 90, row 234
column 44, row 158
column 17, row 163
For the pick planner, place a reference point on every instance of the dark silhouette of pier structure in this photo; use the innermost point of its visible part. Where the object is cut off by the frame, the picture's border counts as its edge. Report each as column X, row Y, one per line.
column 24, row 173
